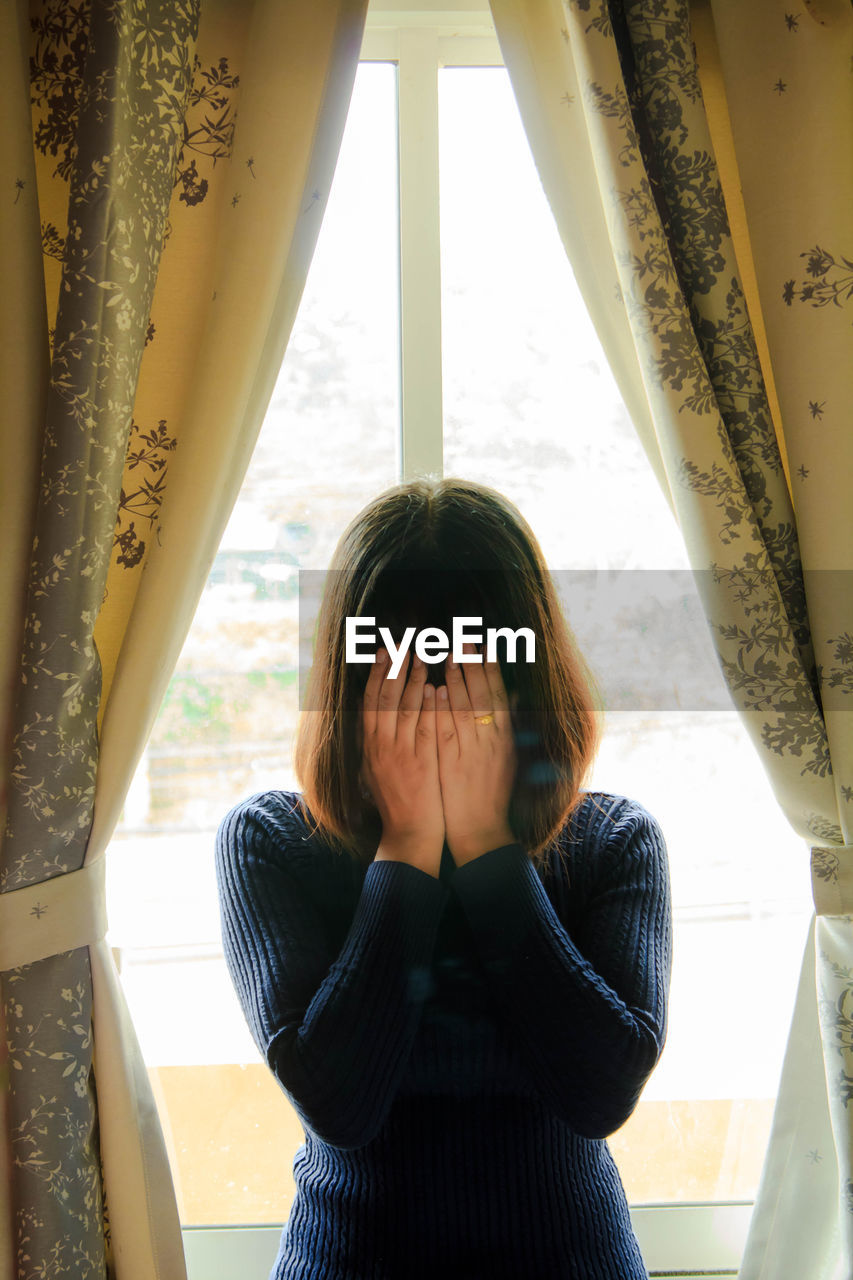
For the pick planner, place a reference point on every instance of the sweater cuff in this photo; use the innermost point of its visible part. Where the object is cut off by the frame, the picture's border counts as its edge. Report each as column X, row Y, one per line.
column 499, row 892
column 403, row 905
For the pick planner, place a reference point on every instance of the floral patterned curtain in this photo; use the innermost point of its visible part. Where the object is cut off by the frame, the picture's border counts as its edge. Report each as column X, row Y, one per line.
column 166, row 167
column 720, row 326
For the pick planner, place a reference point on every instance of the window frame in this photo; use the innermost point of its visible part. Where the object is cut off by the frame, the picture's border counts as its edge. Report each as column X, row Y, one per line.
column 685, row 1240
column 420, row 41
column 677, row 1239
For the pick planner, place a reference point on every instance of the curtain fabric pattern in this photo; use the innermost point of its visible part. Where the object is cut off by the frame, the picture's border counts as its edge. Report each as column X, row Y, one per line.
column 159, row 248
column 772, row 562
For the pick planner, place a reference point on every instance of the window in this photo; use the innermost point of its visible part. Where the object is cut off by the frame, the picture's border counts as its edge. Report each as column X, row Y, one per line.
column 469, row 348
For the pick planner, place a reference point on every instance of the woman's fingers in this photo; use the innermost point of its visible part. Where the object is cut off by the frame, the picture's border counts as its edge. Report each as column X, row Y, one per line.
column 477, row 684
column 469, row 694
column 473, row 690
column 425, row 733
column 397, row 709
column 388, row 701
column 486, row 692
column 447, row 738
column 370, row 701
column 411, row 701
column 498, row 695
column 392, row 705
column 458, row 704
column 400, row 761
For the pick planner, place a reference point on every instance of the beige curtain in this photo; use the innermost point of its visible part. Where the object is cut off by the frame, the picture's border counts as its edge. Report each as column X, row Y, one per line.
column 630, row 154
column 167, row 168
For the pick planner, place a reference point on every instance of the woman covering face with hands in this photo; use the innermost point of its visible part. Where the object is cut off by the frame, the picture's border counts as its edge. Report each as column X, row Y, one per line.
column 439, row 763
column 453, row 958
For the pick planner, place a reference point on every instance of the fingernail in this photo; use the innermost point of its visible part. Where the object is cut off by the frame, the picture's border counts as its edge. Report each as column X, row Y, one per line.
column 442, row 693
column 453, row 665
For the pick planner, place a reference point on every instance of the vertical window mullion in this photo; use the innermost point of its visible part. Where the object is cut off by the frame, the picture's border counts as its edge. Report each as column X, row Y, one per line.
column 420, row 259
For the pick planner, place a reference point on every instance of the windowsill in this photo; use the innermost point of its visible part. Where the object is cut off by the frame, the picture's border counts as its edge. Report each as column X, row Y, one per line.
column 687, row 1239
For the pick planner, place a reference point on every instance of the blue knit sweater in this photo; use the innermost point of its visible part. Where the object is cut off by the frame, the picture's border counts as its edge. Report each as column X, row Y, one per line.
column 457, row 1049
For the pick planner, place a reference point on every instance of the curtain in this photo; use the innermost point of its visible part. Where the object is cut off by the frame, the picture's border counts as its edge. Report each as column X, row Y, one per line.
column 712, row 243
column 165, row 171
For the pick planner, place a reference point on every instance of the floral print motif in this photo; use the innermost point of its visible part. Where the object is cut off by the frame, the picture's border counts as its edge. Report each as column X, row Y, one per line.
column 760, row 668
column 825, row 864
column 54, row 1136
column 208, row 127
column 841, row 676
column 822, row 829
column 57, row 62
column 57, row 71
column 599, row 18
column 148, row 453
column 715, row 482
column 835, row 1005
column 52, row 243
column 830, row 280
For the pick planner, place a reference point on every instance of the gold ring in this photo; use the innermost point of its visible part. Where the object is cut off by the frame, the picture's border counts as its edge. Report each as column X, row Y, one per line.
column 484, row 719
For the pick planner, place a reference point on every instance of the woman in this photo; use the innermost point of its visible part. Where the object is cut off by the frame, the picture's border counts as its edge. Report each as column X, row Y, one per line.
column 453, row 959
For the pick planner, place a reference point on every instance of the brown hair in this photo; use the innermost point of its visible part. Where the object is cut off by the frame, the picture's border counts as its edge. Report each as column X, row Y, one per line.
column 421, row 553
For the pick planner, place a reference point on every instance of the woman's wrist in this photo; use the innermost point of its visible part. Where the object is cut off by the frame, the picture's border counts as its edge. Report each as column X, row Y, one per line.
column 474, row 846
column 413, row 849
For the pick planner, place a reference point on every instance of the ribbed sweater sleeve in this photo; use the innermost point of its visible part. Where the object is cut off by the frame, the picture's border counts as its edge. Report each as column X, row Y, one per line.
column 587, row 1010
column 335, row 1029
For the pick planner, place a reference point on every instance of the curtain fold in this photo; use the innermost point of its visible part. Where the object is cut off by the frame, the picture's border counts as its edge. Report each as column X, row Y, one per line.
column 772, row 563
column 159, row 247
column 241, row 301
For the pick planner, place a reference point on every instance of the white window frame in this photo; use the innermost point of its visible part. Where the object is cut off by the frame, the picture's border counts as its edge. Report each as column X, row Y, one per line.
column 685, row 1240
column 420, row 39
column 688, row 1240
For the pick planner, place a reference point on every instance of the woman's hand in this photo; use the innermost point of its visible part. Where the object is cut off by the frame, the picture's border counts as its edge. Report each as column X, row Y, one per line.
column 476, row 763
column 400, row 763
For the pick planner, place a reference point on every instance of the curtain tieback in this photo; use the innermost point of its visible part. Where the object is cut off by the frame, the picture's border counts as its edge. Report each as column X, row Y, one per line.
column 832, row 879
column 59, row 914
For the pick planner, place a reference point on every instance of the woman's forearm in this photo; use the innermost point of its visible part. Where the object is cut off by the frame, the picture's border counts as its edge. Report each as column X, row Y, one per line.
column 590, row 1037
column 336, row 1029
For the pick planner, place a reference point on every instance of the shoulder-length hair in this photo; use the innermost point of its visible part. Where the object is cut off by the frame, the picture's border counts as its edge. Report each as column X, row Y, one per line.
column 422, row 553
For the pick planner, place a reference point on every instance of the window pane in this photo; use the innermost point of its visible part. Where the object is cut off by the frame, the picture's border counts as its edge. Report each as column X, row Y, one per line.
column 330, row 442
column 532, row 409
